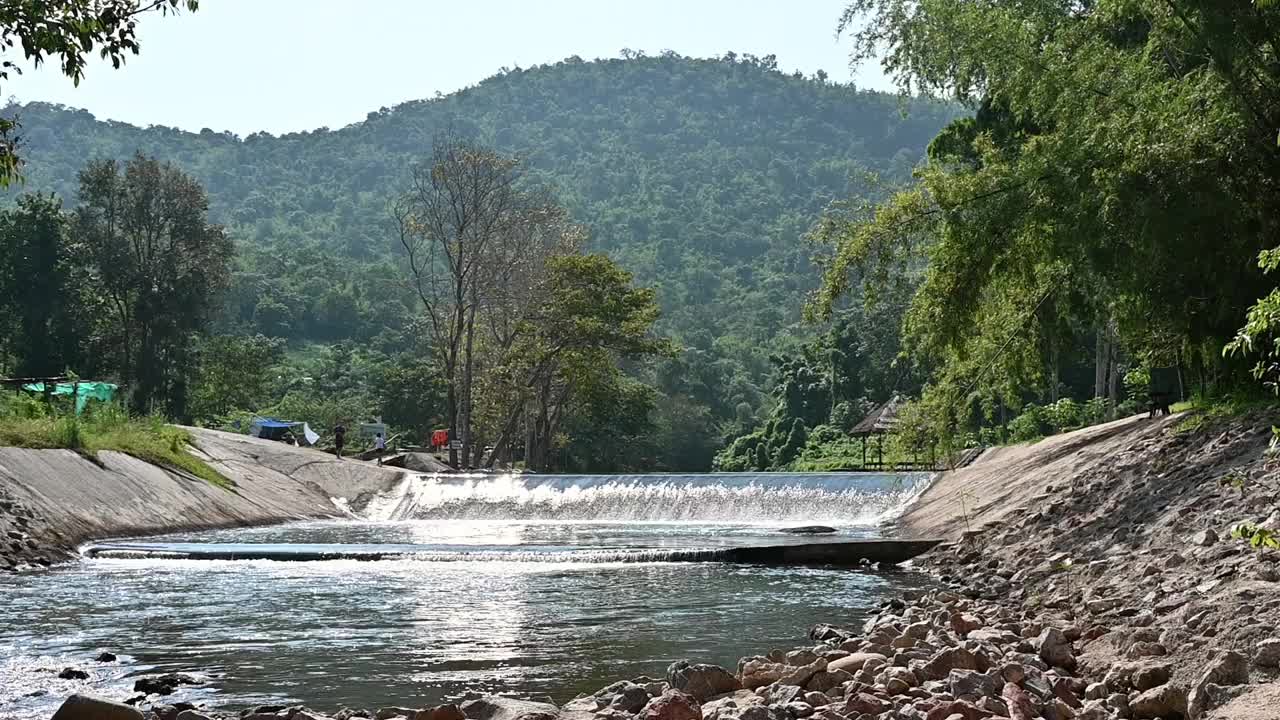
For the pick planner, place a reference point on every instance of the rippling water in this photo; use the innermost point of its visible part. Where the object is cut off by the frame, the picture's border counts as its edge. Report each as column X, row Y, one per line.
column 417, row 631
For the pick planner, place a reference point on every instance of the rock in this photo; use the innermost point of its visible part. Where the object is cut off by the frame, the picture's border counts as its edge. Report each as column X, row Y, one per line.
column 971, row 684
column 1054, row 648
column 1204, row 538
column 703, row 681
column 827, row 680
column 800, row 676
column 1166, row 701
column 493, row 707
column 305, row 715
column 1151, row 674
column 1143, row 649
column 387, row 713
column 1012, row 672
column 193, row 715
column 1268, row 655
column 854, row 662
column 105, row 657
column 779, row 694
column 946, row 660
column 86, row 707
column 801, row 657
column 758, row 672
column 73, row 674
column 630, row 700
column 798, row 709
column 817, row 699
column 865, row 704
column 1205, row 699
column 825, row 633
column 164, row 684
column 672, row 705
column 1018, row 702
column 964, row 623
column 440, row 712
column 1225, row 668
column 1095, row 691
column 809, row 530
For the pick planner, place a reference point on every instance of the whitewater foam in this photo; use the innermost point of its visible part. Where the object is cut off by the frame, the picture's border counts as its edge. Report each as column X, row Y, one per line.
column 774, row 499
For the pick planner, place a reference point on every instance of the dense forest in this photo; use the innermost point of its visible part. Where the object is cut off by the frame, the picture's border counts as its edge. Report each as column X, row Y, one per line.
column 699, row 177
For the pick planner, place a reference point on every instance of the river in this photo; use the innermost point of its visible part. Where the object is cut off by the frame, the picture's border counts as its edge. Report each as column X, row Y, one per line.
column 540, row 586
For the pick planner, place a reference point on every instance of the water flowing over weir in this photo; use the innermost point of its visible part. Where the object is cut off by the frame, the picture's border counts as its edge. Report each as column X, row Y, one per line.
column 835, row 498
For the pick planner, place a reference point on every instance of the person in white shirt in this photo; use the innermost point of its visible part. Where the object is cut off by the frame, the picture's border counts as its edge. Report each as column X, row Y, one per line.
column 379, row 444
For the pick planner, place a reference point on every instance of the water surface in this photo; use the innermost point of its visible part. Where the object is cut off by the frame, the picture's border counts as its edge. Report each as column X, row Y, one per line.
column 523, row 592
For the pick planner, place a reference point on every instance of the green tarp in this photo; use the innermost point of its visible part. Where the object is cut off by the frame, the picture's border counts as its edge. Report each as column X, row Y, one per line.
column 83, row 391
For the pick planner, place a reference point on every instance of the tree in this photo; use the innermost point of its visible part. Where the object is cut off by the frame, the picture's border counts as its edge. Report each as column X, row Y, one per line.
column 67, row 30
column 235, row 374
column 459, row 203
column 39, row 290
column 1081, row 195
column 144, row 232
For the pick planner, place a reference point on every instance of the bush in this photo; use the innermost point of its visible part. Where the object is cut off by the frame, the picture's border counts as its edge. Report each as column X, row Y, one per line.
column 1027, row 426
column 1096, row 411
column 1061, row 415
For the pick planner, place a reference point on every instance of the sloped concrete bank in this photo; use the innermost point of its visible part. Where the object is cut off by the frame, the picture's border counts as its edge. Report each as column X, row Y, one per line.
column 51, row 501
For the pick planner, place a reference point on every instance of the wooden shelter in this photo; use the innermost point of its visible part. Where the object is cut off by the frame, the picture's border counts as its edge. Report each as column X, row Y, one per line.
column 882, row 421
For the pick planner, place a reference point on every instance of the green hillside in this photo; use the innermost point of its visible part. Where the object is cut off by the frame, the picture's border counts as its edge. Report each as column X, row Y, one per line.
column 700, row 176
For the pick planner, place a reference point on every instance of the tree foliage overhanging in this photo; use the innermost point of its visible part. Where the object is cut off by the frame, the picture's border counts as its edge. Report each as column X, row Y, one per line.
column 1114, row 188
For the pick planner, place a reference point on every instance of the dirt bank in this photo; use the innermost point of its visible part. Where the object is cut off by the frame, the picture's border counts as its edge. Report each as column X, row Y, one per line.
column 53, row 500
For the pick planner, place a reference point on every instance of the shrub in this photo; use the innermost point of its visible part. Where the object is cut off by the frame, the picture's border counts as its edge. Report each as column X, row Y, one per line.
column 1027, row 426
column 1063, row 414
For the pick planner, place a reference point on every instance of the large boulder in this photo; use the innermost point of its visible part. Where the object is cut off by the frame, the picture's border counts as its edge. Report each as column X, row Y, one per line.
column 946, row 660
column 1268, row 655
column 1169, row 700
column 86, row 707
column 702, row 681
column 1225, row 668
column 1054, row 648
column 492, row 707
column 758, row 672
column 854, row 662
column 672, row 705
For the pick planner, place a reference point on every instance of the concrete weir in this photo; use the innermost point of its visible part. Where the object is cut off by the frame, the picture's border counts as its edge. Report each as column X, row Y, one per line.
column 840, row 553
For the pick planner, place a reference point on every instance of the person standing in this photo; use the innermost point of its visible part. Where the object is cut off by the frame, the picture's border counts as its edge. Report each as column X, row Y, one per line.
column 380, row 446
column 339, row 439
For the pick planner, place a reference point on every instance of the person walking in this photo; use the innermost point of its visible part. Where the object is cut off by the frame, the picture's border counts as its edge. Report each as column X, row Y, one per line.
column 380, row 446
column 339, row 439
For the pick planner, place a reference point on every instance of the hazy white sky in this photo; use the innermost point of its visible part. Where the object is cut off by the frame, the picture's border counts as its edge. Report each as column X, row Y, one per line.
column 285, row 65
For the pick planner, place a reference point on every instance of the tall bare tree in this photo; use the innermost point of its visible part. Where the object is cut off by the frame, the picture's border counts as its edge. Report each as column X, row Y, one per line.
column 459, row 204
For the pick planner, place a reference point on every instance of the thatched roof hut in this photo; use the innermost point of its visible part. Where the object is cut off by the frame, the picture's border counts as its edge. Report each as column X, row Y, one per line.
column 884, row 419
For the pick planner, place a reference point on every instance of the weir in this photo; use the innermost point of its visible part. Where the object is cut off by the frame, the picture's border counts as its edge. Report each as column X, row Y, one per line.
column 839, row 553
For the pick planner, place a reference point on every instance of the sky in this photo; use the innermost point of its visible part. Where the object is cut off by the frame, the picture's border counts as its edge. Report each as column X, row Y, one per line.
column 292, row 65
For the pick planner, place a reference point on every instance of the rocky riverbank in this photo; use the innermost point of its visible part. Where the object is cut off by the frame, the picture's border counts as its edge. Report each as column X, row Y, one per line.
column 1113, row 591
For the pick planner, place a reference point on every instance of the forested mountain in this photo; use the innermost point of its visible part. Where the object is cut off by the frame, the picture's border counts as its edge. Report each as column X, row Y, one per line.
column 699, row 176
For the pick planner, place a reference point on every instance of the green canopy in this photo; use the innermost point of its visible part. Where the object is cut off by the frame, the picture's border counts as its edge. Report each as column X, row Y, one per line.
column 83, row 391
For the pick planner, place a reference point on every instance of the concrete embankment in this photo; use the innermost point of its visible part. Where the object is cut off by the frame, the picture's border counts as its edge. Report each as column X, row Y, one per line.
column 53, row 500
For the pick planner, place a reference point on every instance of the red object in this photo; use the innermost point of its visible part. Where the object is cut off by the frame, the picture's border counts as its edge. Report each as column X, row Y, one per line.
column 440, row 439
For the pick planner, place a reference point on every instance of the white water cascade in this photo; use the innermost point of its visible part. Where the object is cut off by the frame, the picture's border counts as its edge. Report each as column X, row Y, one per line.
column 775, row 498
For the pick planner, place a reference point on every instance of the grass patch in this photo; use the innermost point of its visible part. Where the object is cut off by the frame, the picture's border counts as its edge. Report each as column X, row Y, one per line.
column 28, row 423
column 1203, row 414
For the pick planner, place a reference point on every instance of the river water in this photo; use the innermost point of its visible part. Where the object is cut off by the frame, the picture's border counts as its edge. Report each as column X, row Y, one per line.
column 539, row 586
